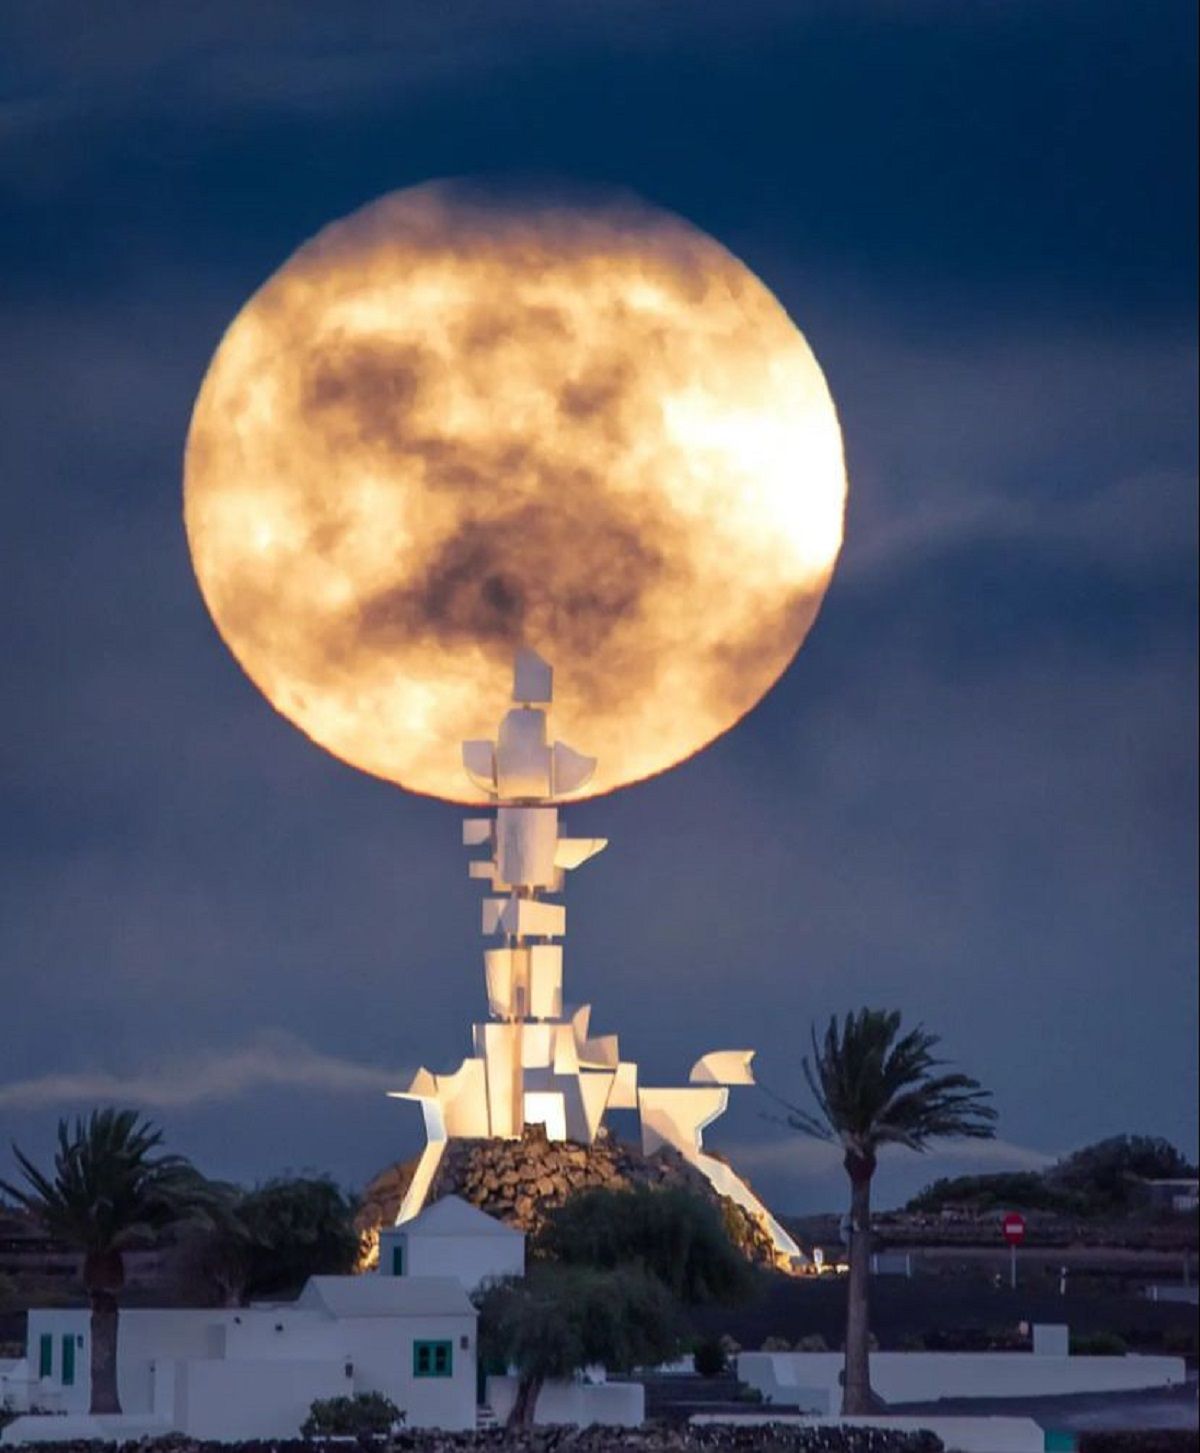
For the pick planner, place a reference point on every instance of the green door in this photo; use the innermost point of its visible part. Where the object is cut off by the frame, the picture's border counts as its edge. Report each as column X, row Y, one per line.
column 45, row 1355
column 68, row 1373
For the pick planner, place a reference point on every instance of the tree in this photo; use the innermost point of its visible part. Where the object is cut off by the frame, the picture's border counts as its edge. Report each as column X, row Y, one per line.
column 558, row 1320
column 875, row 1088
column 671, row 1234
column 271, row 1239
column 110, row 1192
column 1106, row 1176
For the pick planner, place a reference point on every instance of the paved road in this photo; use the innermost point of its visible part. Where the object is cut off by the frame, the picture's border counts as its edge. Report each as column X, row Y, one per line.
column 1173, row 1407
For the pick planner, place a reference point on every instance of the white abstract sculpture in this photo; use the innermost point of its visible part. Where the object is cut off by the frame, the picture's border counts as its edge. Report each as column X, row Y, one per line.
column 536, row 1062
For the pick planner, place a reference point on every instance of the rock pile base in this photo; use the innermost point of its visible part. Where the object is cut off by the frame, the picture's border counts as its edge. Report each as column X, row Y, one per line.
column 522, row 1181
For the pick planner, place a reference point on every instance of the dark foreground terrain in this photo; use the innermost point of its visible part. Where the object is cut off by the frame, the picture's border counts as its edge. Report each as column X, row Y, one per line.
column 907, row 1314
column 654, row 1439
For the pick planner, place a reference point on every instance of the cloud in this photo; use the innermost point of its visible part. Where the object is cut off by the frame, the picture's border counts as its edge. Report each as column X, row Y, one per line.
column 271, row 1059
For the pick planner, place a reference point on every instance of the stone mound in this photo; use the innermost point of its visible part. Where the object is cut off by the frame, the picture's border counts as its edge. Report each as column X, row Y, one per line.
column 521, row 1181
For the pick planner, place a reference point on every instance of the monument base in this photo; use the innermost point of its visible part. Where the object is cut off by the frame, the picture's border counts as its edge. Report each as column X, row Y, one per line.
column 522, row 1181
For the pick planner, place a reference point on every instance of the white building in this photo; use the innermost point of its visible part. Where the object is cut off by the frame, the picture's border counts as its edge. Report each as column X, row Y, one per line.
column 452, row 1238
column 227, row 1374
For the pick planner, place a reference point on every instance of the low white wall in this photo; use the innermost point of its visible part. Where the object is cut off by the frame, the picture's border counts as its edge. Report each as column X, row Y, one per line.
column 917, row 1377
column 81, row 1427
column 611, row 1404
column 965, row 1435
column 14, row 1384
column 230, row 1401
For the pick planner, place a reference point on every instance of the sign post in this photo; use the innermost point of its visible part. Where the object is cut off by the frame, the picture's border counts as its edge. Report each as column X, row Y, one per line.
column 1013, row 1227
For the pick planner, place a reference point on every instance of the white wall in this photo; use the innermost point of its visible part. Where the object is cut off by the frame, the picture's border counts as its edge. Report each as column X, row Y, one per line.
column 223, row 1400
column 901, row 1377
column 50, row 1393
column 14, row 1384
column 381, row 1350
column 611, row 1404
column 469, row 1259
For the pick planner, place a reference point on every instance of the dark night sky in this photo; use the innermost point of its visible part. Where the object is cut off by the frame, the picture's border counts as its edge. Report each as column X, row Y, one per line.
column 973, row 795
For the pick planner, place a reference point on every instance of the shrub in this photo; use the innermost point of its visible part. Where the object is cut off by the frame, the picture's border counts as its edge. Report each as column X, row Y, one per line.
column 351, row 1417
column 775, row 1344
column 674, row 1235
column 708, row 1358
column 1098, row 1344
column 814, row 1342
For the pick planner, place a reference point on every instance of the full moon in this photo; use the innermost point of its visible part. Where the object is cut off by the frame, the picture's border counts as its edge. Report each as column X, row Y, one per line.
column 458, row 422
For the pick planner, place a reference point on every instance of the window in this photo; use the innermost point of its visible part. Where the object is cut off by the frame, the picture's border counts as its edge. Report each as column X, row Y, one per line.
column 433, row 1359
column 398, row 1259
column 45, row 1355
column 68, row 1360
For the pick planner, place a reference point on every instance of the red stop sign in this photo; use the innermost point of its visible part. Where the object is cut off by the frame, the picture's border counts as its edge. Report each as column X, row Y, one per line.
column 1013, row 1227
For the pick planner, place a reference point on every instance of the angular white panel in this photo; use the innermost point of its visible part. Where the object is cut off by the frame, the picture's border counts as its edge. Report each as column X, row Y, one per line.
column 572, row 770
column 537, row 1044
column 528, row 918
column 482, row 868
column 545, row 980
column 533, row 679
column 678, row 1117
column 479, row 761
column 526, row 838
column 464, row 1100
column 503, row 1079
column 523, row 760
column 572, row 852
column 595, row 1090
column 566, row 1061
column 624, row 1093
column 723, row 1067
column 476, row 831
column 418, row 1187
column 492, row 913
column 599, row 1053
column 506, row 970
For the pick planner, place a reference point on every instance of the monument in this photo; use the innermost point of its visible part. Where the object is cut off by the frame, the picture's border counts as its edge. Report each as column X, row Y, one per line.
column 456, row 428
column 536, row 1061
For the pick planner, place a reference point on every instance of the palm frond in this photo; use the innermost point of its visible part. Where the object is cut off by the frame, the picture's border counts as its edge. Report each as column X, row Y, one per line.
column 109, row 1190
column 873, row 1086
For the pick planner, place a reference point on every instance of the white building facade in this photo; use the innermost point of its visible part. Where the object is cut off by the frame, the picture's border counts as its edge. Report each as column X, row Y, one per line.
column 452, row 1238
column 225, row 1374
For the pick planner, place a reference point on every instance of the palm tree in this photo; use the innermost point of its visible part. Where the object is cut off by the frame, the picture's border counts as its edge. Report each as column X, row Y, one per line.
column 874, row 1088
column 110, row 1192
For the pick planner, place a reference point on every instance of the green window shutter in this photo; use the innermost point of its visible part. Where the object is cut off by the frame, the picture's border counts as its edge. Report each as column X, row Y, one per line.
column 45, row 1355
column 68, row 1360
column 433, row 1359
column 398, row 1259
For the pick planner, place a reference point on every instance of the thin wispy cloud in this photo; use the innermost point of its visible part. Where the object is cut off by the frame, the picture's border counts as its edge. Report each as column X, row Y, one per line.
column 272, row 1059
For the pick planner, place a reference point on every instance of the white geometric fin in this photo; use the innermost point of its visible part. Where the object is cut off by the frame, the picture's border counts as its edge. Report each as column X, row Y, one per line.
column 573, row 852
column 723, row 1067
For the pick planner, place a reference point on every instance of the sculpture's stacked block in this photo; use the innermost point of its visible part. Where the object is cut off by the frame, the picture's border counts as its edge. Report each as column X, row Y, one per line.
column 535, row 1061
